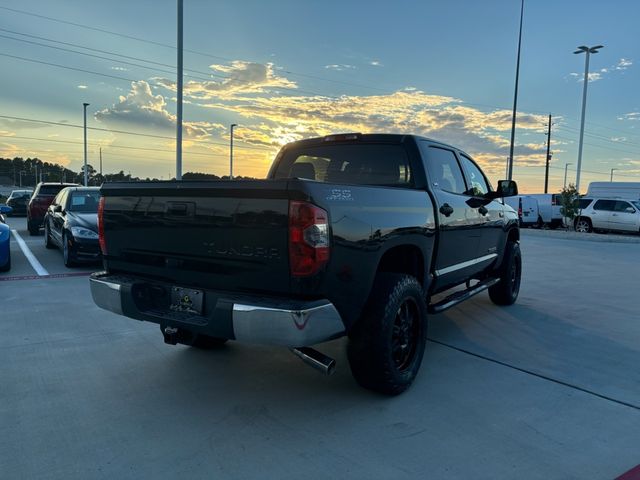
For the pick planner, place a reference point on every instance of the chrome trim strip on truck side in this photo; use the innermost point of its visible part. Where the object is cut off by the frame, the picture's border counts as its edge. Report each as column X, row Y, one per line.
column 469, row 263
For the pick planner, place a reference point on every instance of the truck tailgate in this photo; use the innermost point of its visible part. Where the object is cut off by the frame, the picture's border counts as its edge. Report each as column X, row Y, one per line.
column 218, row 235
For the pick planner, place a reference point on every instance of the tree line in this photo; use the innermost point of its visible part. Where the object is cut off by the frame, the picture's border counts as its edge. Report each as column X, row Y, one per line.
column 28, row 172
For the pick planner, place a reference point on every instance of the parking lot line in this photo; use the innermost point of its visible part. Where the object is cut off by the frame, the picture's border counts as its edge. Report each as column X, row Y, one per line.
column 35, row 264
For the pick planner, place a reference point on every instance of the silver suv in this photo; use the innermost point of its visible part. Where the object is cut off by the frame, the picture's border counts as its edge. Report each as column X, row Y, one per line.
column 608, row 214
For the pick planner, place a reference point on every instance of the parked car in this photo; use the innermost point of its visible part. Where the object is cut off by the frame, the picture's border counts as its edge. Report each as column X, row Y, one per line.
column 549, row 208
column 71, row 224
column 608, row 214
column 18, row 201
column 350, row 234
column 40, row 201
column 5, row 237
column 527, row 208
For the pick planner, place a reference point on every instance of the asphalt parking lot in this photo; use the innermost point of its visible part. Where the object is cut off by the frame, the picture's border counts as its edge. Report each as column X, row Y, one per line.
column 546, row 389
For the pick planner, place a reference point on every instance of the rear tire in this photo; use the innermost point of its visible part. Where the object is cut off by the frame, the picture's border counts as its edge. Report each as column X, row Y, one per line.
column 387, row 343
column 506, row 291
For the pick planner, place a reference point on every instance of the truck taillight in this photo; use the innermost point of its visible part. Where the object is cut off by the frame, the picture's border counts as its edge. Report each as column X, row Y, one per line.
column 308, row 238
column 103, row 244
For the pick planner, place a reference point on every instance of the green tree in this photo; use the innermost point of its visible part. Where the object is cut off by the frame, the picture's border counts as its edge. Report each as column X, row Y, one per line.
column 570, row 196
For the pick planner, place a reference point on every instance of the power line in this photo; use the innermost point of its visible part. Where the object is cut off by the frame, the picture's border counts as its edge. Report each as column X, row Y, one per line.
column 107, row 146
column 108, row 52
column 124, row 132
column 66, row 67
column 156, row 69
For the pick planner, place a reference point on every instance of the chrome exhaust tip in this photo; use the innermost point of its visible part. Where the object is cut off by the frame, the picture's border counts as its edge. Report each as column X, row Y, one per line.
column 315, row 359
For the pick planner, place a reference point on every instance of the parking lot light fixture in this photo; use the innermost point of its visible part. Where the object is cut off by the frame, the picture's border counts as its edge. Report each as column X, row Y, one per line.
column 612, row 170
column 587, row 51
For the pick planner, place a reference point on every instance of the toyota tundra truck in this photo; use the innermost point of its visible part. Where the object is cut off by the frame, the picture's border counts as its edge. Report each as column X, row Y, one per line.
column 358, row 235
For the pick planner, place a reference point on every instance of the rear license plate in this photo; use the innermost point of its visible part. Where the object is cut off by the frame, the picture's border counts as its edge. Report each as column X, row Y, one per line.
column 186, row 300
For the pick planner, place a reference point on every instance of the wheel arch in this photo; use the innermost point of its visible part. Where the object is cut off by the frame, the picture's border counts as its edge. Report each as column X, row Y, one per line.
column 407, row 258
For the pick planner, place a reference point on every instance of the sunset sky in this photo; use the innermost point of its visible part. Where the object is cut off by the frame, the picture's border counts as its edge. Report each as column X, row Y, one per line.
column 286, row 70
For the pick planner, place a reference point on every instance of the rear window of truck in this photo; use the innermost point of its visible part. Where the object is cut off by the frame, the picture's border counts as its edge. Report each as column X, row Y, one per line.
column 50, row 189
column 357, row 164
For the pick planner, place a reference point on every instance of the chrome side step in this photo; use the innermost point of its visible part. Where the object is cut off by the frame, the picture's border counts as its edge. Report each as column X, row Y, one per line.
column 459, row 297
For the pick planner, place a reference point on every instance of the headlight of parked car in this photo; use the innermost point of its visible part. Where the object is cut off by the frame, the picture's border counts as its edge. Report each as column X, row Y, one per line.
column 80, row 232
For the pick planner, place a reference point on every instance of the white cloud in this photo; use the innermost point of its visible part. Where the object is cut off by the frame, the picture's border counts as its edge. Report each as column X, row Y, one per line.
column 82, row 87
column 149, row 111
column 632, row 116
column 240, row 78
column 623, row 64
column 376, row 63
column 120, row 69
column 339, row 67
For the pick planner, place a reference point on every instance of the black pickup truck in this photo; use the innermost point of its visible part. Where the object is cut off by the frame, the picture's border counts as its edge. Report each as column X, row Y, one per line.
column 358, row 235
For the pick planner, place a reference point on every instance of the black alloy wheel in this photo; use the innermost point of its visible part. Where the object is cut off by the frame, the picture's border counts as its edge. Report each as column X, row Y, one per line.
column 387, row 343
column 406, row 330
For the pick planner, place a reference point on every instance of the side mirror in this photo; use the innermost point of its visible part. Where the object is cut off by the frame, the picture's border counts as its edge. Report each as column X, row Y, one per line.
column 507, row 188
column 629, row 210
column 57, row 208
column 5, row 209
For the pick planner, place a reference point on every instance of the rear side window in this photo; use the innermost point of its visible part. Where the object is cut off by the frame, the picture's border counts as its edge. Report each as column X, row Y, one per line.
column 608, row 205
column 358, row 164
column 622, row 206
column 50, row 189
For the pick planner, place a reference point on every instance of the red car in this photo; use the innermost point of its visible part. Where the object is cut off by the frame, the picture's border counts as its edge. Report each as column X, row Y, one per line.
column 40, row 201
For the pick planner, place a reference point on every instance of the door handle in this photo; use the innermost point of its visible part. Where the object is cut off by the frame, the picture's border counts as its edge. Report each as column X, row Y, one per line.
column 446, row 209
column 483, row 210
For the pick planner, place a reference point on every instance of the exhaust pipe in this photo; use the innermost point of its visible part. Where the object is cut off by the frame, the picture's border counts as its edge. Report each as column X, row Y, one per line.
column 315, row 359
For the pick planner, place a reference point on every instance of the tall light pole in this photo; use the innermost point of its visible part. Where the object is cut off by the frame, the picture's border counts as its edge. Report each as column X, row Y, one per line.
column 86, row 174
column 515, row 99
column 565, row 173
column 612, row 170
column 588, row 51
column 179, row 98
column 233, row 125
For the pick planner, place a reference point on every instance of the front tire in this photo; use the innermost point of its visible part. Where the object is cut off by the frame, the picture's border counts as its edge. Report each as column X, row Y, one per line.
column 387, row 344
column 506, row 291
column 583, row 225
column 67, row 255
column 47, row 237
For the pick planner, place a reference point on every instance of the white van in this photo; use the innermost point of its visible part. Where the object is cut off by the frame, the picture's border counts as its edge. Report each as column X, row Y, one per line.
column 628, row 190
column 549, row 208
column 527, row 208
